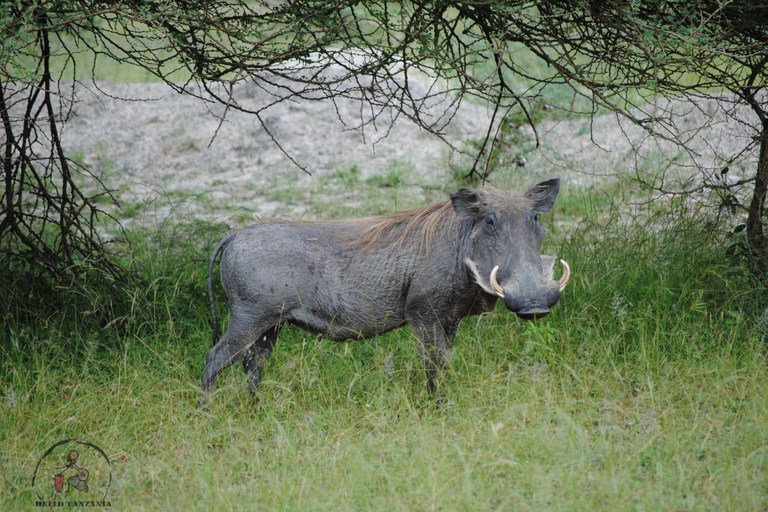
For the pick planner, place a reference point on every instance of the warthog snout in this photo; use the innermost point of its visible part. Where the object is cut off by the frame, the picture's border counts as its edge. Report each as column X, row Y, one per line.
column 532, row 309
column 529, row 297
column 534, row 314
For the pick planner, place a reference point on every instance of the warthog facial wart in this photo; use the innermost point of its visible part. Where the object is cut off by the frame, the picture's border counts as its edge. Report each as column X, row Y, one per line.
column 353, row 279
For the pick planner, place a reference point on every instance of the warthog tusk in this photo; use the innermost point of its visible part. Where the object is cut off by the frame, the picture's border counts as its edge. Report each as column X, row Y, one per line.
column 476, row 276
column 497, row 289
column 566, row 275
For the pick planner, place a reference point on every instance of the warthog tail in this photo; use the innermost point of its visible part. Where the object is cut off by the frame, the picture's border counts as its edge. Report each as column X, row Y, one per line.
column 211, row 297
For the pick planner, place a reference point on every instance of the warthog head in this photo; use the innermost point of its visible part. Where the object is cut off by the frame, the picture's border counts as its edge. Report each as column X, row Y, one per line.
column 503, row 248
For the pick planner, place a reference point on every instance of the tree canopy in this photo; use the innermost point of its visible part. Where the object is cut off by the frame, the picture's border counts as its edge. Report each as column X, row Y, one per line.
column 616, row 54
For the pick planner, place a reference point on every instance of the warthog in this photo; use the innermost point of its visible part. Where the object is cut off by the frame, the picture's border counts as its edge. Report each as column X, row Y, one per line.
column 353, row 279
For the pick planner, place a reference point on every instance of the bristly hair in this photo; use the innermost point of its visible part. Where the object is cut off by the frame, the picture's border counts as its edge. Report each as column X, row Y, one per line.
column 424, row 222
column 395, row 228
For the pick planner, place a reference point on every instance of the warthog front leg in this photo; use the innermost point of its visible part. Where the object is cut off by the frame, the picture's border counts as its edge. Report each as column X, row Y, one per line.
column 435, row 347
column 257, row 355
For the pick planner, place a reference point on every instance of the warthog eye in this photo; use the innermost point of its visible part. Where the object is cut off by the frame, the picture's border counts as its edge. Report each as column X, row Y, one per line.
column 490, row 221
column 536, row 218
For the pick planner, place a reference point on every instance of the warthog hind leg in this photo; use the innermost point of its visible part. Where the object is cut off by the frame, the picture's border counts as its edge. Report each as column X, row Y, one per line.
column 233, row 346
column 257, row 355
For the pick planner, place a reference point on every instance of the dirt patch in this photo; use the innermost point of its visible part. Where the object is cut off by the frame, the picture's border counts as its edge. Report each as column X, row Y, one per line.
column 154, row 143
column 715, row 133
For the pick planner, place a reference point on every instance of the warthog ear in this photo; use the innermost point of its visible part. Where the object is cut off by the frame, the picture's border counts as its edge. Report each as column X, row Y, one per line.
column 467, row 202
column 544, row 194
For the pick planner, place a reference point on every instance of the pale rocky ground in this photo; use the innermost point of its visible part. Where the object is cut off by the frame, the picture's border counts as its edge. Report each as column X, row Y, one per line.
column 158, row 149
column 161, row 142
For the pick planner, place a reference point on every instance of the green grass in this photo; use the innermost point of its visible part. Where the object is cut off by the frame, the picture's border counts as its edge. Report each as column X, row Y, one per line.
column 644, row 389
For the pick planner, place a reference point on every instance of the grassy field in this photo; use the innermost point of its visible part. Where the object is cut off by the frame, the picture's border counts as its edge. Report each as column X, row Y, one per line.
column 645, row 389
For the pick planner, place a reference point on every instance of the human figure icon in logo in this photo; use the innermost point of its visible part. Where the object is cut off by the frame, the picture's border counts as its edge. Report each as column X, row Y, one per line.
column 79, row 480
